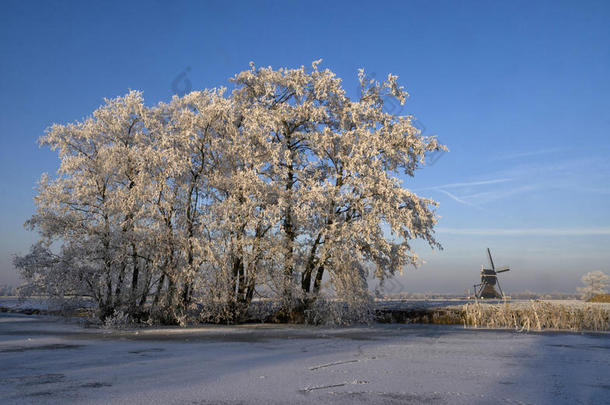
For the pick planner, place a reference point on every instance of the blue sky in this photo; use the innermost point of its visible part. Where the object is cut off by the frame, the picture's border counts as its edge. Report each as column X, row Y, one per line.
column 520, row 93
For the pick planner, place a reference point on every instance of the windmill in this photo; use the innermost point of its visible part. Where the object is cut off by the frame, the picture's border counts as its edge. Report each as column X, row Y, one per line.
column 489, row 279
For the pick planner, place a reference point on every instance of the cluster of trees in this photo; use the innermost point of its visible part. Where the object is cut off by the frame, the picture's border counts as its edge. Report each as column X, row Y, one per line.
column 285, row 187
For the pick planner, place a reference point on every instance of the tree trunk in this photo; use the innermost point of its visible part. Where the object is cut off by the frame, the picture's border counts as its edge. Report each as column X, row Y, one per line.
column 146, row 288
column 159, row 289
column 289, row 232
column 135, row 274
column 318, row 281
column 119, row 284
column 309, row 267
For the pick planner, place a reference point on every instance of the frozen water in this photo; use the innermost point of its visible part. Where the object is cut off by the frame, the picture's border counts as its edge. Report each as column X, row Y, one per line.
column 46, row 360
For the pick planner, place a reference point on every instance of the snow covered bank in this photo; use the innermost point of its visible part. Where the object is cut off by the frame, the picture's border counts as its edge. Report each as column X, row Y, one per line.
column 570, row 315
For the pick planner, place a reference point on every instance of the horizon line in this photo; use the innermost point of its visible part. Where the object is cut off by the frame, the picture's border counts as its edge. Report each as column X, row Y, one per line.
column 525, row 231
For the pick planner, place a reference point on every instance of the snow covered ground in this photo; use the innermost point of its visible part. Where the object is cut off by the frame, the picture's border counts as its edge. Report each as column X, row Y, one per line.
column 46, row 360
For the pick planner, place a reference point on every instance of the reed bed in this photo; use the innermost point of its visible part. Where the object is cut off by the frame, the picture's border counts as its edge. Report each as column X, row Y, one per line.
column 537, row 315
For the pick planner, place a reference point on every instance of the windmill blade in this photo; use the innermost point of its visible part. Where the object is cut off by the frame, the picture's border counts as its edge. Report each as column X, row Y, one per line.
column 502, row 269
column 490, row 259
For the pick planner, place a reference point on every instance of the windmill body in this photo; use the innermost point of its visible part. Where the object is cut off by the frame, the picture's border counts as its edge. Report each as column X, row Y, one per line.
column 490, row 286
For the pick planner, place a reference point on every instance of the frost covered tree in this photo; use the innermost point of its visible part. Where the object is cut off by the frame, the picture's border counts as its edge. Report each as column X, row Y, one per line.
column 218, row 209
column 336, row 164
column 92, row 208
column 596, row 282
column 285, row 187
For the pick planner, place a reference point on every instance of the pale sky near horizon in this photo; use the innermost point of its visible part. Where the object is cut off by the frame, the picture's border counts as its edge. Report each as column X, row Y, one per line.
column 519, row 92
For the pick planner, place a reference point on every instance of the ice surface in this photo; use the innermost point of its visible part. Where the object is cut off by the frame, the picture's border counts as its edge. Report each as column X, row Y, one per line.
column 46, row 360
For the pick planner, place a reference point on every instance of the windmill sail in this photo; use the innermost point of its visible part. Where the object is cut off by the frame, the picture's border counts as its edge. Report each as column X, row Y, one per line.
column 490, row 259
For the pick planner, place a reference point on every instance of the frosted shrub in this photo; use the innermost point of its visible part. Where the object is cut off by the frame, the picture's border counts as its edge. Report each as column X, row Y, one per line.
column 331, row 312
column 118, row 320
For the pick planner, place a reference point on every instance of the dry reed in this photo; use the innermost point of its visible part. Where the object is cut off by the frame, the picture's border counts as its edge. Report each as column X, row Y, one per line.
column 537, row 315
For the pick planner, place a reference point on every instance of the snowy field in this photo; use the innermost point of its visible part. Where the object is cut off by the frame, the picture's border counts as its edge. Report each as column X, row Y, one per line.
column 46, row 360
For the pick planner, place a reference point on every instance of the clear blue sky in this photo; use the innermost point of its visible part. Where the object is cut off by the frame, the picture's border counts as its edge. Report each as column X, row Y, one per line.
column 519, row 92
